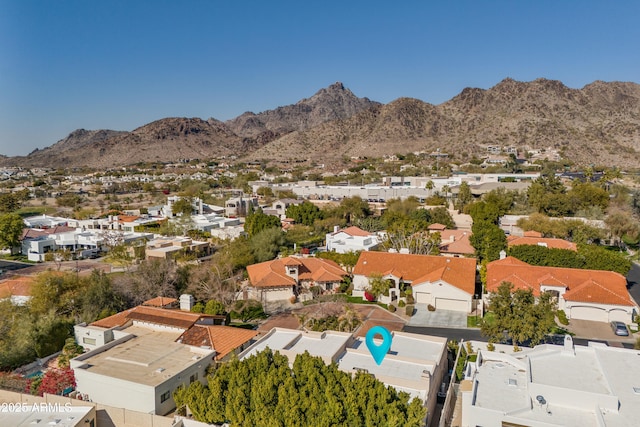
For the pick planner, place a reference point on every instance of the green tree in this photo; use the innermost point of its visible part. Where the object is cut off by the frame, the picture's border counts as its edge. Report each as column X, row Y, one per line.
column 354, row 208
column 487, row 238
column 9, row 202
column 464, row 196
column 266, row 244
column 264, row 390
column 305, row 213
column 517, row 315
column 257, row 221
column 377, row 285
column 183, row 206
column 98, row 298
column 214, row 307
column 621, row 223
column 11, row 226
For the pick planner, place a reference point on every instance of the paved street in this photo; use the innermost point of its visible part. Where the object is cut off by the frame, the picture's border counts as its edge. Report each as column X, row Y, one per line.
column 633, row 282
column 12, row 266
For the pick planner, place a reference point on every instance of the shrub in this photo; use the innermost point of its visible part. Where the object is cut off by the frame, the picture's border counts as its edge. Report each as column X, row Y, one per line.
column 292, row 299
column 408, row 291
column 391, row 308
column 316, row 290
column 410, row 299
column 562, row 317
column 491, row 347
column 369, row 297
column 431, row 308
column 401, row 303
column 409, row 310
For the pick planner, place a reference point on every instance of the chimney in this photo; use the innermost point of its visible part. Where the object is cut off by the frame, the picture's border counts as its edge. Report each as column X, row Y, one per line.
column 452, row 238
column 336, row 228
column 186, row 302
column 569, row 349
column 503, row 254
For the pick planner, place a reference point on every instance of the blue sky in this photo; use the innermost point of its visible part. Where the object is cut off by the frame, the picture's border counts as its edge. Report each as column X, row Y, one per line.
column 120, row 64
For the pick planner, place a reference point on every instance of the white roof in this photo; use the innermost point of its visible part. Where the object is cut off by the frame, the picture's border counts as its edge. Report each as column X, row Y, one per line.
column 560, row 385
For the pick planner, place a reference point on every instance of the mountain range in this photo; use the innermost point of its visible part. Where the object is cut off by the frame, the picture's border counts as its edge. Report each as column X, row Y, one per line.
column 599, row 123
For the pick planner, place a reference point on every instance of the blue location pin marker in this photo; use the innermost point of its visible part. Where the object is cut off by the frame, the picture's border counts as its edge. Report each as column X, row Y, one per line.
column 378, row 351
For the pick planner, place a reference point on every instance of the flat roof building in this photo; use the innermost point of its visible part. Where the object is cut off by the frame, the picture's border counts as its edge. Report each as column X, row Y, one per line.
column 415, row 364
column 550, row 385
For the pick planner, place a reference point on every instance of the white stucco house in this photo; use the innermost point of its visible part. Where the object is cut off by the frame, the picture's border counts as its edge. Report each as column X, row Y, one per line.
column 583, row 294
column 446, row 283
column 137, row 358
column 552, row 385
column 351, row 239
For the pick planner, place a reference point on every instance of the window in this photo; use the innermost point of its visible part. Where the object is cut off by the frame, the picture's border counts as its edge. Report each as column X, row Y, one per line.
column 193, row 378
column 165, row 396
column 90, row 341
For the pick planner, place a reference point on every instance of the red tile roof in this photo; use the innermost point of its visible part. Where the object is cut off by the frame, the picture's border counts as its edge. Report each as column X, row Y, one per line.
column 127, row 218
column 458, row 272
column 541, row 241
column 273, row 273
column 160, row 302
column 161, row 316
column 17, row 286
column 594, row 286
column 223, row 339
column 354, row 231
column 460, row 243
column 436, row 227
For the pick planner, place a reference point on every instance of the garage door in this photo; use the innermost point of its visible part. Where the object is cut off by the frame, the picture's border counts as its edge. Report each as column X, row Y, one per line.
column 589, row 313
column 452, row 304
column 423, row 298
column 620, row 316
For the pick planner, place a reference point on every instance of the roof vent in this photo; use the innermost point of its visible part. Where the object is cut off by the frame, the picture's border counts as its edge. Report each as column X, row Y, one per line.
column 636, row 390
column 513, row 382
column 160, row 370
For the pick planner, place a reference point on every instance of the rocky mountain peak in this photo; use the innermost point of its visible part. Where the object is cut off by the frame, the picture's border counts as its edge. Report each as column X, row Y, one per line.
column 331, row 103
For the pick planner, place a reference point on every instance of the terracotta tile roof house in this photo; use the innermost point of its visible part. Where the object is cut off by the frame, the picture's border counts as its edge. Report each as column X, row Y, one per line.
column 456, row 243
column 583, row 294
column 135, row 359
column 195, row 329
column 535, row 238
column 18, row 289
column 223, row 339
column 160, row 316
column 283, row 278
column 436, row 227
column 444, row 282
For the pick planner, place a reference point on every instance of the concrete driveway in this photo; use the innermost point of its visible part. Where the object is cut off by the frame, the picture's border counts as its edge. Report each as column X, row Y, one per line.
column 438, row 318
column 600, row 331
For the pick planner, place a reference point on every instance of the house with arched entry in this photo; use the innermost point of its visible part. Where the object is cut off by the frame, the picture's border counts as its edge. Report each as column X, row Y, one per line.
column 444, row 282
column 583, row 294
